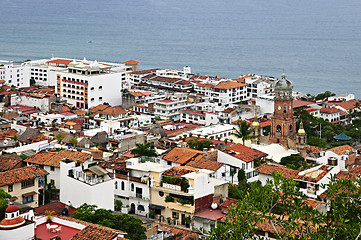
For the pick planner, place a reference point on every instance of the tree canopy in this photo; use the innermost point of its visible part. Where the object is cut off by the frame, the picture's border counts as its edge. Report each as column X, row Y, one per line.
column 243, row 131
column 281, row 206
column 124, row 222
column 3, row 203
column 293, row 161
column 199, row 145
column 144, row 150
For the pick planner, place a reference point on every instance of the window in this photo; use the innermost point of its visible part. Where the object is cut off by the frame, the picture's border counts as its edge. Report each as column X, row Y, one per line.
column 10, row 188
column 52, row 181
column 122, row 185
column 169, row 163
column 161, row 193
column 92, row 89
column 28, row 199
column 27, row 183
column 92, row 100
column 52, row 168
column 100, row 87
column 116, row 185
column 175, row 215
column 138, row 192
column 132, row 187
column 100, row 98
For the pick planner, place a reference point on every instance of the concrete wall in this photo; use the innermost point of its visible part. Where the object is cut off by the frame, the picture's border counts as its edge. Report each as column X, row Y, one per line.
column 78, row 192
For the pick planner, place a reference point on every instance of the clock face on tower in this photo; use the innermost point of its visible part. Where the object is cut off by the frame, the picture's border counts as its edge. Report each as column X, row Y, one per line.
column 279, row 107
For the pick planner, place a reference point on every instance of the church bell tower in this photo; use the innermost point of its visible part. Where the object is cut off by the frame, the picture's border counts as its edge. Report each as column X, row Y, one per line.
column 283, row 123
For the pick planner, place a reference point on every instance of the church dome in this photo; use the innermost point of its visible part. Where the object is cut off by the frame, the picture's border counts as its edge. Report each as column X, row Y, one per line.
column 12, row 218
column 12, row 208
column 283, row 83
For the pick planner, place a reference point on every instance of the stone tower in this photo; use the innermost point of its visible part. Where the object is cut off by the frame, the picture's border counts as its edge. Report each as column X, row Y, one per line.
column 283, row 123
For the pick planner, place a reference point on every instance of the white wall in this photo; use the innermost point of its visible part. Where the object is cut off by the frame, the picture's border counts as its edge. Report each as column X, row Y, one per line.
column 55, row 175
column 24, row 233
column 202, row 186
column 42, row 103
column 78, row 192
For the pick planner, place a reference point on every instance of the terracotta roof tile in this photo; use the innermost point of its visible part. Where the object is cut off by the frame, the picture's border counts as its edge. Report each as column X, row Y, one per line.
column 202, row 163
column 347, row 105
column 177, row 171
column 112, row 111
column 229, row 85
column 329, row 110
column 38, row 138
column 145, row 71
column 342, row 149
column 8, row 163
column 269, row 168
column 228, row 202
column 323, row 170
column 131, row 62
column 244, row 153
column 20, row 174
column 41, row 158
column 182, row 155
column 94, row 233
column 346, row 175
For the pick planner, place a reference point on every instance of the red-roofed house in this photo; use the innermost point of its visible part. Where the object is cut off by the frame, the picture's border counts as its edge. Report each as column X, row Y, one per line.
column 238, row 157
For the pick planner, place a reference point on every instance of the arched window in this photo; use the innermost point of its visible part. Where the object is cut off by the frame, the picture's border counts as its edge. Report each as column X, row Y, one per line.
column 122, row 186
column 291, row 130
column 141, row 208
column 116, row 185
column 279, row 129
column 285, row 108
column 132, row 187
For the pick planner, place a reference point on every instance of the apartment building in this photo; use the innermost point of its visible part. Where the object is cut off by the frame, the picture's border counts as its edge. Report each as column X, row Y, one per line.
column 85, row 84
column 179, row 192
column 14, row 75
column 172, row 107
column 223, row 92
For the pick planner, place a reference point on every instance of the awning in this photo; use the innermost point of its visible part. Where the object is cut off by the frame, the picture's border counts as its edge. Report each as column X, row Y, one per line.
column 29, row 194
column 156, row 207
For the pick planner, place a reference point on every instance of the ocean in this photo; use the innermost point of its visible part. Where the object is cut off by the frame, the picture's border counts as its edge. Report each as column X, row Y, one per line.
column 316, row 43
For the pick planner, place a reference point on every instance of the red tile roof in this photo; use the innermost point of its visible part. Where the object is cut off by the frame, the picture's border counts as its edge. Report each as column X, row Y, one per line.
column 203, row 163
column 269, row 168
column 182, row 155
column 300, row 103
column 244, row 153
column 177, row 171
column 57, row 207
column 8, row 163
column 229, row 85
column 329, row 110
column 20, row 174
column 347, row 105
column 61, row 61
column 340, row 150
column 131, row 62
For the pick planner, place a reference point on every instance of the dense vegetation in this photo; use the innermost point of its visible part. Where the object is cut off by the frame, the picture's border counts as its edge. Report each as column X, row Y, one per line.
column 281, row 206
column 124, row 222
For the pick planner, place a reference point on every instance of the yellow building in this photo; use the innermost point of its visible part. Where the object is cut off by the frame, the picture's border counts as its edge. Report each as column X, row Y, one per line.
column 24, row 184
column 179, row 192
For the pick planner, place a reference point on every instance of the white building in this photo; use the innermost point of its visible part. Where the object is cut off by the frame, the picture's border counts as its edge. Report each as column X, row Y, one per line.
column 14, row 75
column 171, row 107
column 238, row 157
column 219, row 131
column 93, row 186
column 258, row 85
column 86, row 84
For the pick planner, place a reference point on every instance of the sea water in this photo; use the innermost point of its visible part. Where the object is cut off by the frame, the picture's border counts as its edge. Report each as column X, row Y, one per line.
column 316, row 43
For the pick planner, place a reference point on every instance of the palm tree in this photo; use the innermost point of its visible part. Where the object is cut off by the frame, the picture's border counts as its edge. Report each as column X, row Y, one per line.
column 144, row 150
column 243, row 131
column 59, row 137
column 73, row 141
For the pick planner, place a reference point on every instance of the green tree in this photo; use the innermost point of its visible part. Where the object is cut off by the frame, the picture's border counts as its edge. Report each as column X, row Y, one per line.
column 199, row 145
column 3, row 203
column 293, row 161
column 324, row 95
column 123, row 222
column 315, row 141
column 144, row 150
column 244, row 131
column 59, row 137
column 281, row 205
column 73, row 141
